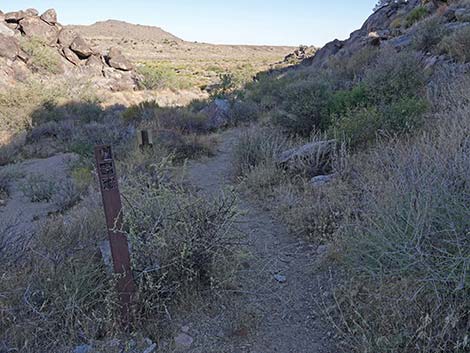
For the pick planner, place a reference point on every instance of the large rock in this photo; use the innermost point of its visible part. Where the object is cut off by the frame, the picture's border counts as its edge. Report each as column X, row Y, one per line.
column 218, row 113
column 66, row 37
column 81, row 48
column 118, row 61
column 6, row 31
column 9, row 47
column 15, row 16
column 35, row 27
column 316, row 157
column 50, row 16
column 94, row 65
column 71, row 56
column 118, row 80
column 2, row 16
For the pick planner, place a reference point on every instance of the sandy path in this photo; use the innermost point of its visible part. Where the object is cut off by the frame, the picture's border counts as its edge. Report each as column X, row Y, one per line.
column 279, row 287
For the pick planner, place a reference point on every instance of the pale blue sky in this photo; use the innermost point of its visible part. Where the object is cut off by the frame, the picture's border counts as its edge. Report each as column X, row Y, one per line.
column 275, row 22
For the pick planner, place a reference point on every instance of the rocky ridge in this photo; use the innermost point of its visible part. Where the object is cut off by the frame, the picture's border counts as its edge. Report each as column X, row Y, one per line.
column 383, row 28
column 75, row 57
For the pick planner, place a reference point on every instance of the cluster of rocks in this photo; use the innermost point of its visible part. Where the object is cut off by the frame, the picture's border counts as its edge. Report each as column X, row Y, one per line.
column 300, row 54
column 381, row 28
column 76, row 56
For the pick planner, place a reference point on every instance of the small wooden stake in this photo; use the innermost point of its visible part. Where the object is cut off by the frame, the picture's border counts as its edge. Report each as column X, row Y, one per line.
column 113, row 211
column 144, row 138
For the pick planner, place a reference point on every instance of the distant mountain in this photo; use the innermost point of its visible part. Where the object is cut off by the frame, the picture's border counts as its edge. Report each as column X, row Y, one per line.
column 121, row 29
column 140, row 43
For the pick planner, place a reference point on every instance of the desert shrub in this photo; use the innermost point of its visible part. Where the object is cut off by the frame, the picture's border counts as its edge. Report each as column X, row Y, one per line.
column 457, row 44
column 267, row 90
column 406, row 243
column 38, row 188
column 160, row 75
column 429, row 34
column 405, row 115
column 352, row 69
column 43, row 58
column 27, row 105
column 311, row 213
column 305, row 107
column 142, row 111
column 57, row 293
column 177, row 256
column 9, row 153
column 173, row 118
column 257, row 146
column 66, row 195
column 357, row 127
column 343, row 100
column 244, row 111
column 394, row 76
column 416, row 15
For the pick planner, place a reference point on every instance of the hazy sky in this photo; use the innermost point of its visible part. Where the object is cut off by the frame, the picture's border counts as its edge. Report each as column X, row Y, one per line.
column 289, row 22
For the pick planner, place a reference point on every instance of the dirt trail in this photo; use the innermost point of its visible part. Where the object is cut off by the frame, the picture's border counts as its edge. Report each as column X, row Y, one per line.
column 275, row 311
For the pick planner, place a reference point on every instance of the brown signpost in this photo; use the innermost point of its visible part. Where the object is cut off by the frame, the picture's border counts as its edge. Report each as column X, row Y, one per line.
column 118, row 241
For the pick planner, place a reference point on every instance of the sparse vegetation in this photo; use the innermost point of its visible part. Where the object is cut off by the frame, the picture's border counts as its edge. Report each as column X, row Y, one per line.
column 43, row 58
column 39, row 188
column 457, row 45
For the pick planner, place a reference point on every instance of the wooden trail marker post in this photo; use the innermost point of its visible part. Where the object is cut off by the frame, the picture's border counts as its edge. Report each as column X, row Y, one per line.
column 118, row 241
column 144, row 139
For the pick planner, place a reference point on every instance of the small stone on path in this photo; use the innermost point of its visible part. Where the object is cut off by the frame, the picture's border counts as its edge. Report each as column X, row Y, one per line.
column 183, row 341
column 280, row 278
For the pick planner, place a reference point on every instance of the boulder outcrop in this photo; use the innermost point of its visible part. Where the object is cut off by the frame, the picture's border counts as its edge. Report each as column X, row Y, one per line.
column 387, row 26
column 113, row 70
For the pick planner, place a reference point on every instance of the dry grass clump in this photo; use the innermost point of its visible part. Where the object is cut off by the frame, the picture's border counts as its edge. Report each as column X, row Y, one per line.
column 406, row 244
column 57, row 292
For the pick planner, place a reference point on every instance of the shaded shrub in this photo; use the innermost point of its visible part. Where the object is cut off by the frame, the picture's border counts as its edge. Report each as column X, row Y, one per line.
column 305, row 107
column 429, row 34
column 457, row 45
column 38, row 188
column 66, row 195
column 244, row 111
column 394, row 76
column 406, row 243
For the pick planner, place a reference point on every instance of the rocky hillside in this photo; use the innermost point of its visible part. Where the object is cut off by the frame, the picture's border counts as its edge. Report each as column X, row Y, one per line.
column 32, row 43
column 111, row 29
column 397, row 24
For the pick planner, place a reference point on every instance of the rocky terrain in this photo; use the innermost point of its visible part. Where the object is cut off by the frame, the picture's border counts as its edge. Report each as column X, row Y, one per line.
column 24, row 34
column 309, row 201
column 391, row 25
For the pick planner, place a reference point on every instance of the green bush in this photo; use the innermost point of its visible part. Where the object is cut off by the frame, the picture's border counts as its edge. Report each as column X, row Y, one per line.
column 429, row 34
column 416, row 15
column 43, row 58
column 394, row 76
column 159, row 75
column 457, row 45
column 305, row 107
column 405, row 115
